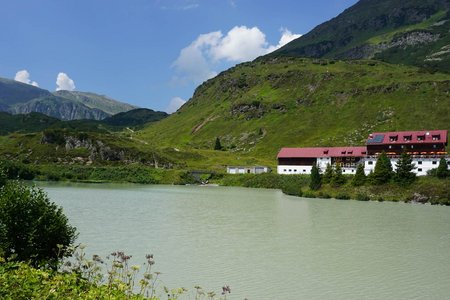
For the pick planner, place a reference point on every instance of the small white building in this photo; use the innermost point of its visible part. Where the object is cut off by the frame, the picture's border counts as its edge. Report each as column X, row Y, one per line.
column 247, row 170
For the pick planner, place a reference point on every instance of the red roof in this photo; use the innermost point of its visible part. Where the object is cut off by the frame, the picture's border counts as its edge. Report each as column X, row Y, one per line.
column 402, row 137
column 322, row 152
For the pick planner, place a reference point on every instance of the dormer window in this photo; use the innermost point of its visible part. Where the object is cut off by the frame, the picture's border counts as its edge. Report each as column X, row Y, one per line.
column 393, row 138
column 436, row 137
column 343, row 152
column 407, row 138
column 350, row 152
column 325, row 151
column 421, row 138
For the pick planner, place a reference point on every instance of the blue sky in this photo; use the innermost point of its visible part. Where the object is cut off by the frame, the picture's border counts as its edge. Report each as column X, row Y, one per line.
column 150, row 53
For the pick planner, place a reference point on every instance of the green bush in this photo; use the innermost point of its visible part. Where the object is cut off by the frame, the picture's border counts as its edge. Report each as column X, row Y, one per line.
column 342, row 196
column 362, row 197
column 31, row 227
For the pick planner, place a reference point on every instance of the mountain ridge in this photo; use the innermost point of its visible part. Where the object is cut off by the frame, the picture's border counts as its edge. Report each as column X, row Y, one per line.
column 20, row 98
column 387, row 30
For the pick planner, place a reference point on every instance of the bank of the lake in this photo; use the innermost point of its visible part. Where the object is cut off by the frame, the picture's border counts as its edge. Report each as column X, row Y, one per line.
column 426, row 189
column 265, row 244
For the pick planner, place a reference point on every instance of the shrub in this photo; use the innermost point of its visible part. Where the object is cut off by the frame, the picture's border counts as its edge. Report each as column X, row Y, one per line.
column 31, row 227
column 342, row 196
column 362, row 197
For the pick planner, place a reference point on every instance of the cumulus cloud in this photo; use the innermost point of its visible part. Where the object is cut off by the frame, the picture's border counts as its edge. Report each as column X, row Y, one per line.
column 286, row 37
column 196, row 62
column 175, row 104
column 24, row 76
column 63, row 82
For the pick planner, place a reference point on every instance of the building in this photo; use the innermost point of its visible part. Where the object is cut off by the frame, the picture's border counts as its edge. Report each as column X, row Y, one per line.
column 425, row 147
column 301, row 160
column 430, row 142
column 247, row 170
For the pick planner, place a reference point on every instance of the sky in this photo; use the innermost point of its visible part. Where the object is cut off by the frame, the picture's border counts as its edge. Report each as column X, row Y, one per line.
column 149, row 53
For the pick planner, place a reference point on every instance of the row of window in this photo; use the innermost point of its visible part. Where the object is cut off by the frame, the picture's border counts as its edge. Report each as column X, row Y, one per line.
column 408, row 138
column 419, row 162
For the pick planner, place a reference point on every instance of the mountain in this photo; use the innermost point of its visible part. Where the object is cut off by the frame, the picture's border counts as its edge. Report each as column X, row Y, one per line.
column 36, row 122
column 20, row 98
column 135, row 117
column 258, row 107
column 32, row 122
column 94, row 101
column 413, row 32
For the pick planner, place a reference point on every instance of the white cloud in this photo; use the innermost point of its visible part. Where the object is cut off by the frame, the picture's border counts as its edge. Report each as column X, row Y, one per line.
column 24, row 76
column 175, row 104
column 241, row 44
column 192, row 63
column 286, row 37
column 64, row 82
column 197, row 61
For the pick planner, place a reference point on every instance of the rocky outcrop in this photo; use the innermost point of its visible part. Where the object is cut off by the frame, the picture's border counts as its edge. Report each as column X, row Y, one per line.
column 254, row 110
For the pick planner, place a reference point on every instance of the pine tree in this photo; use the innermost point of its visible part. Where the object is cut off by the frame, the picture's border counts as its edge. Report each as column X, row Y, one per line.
column 337, row 179
column 404, row 173
column 442, row 170
column 328, row 175
column 217, row 145
column 360, row 177
column 383, row 170
column 316, row 178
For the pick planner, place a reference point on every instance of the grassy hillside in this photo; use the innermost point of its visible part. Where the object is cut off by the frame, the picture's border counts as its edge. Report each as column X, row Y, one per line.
column 257, row 108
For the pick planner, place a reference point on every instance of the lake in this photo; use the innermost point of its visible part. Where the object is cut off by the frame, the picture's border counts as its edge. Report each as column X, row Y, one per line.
column 264, row 244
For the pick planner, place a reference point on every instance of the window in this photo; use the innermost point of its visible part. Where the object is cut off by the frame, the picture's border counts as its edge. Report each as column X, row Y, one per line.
column 393, row 138
column 407, row 138
column 353, row 171
column 436, row 137
column 434, row 162
column 284, row 170
column 419, row 162
column 420, row 137
column 364, row 152
column 304, row 171
column 390, row 146
column 290, row 170
column 419, row 169
column 370, row 162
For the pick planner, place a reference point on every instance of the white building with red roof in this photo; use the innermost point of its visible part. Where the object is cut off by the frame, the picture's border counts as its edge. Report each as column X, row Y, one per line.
column 426, row 148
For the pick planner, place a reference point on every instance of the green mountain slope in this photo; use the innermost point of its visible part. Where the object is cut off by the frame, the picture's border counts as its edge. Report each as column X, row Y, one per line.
column 36, row 122
column 135, row 117
column 257, row 108
column 414, row 32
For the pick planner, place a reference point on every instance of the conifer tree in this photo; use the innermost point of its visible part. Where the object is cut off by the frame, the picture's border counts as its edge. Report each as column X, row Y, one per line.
column 316, row 178
column 383, row 170
column 217, row 145
column 360, row 177
column 328, row 175
column 404, row 173
column 337, row 179
column 442, row 170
